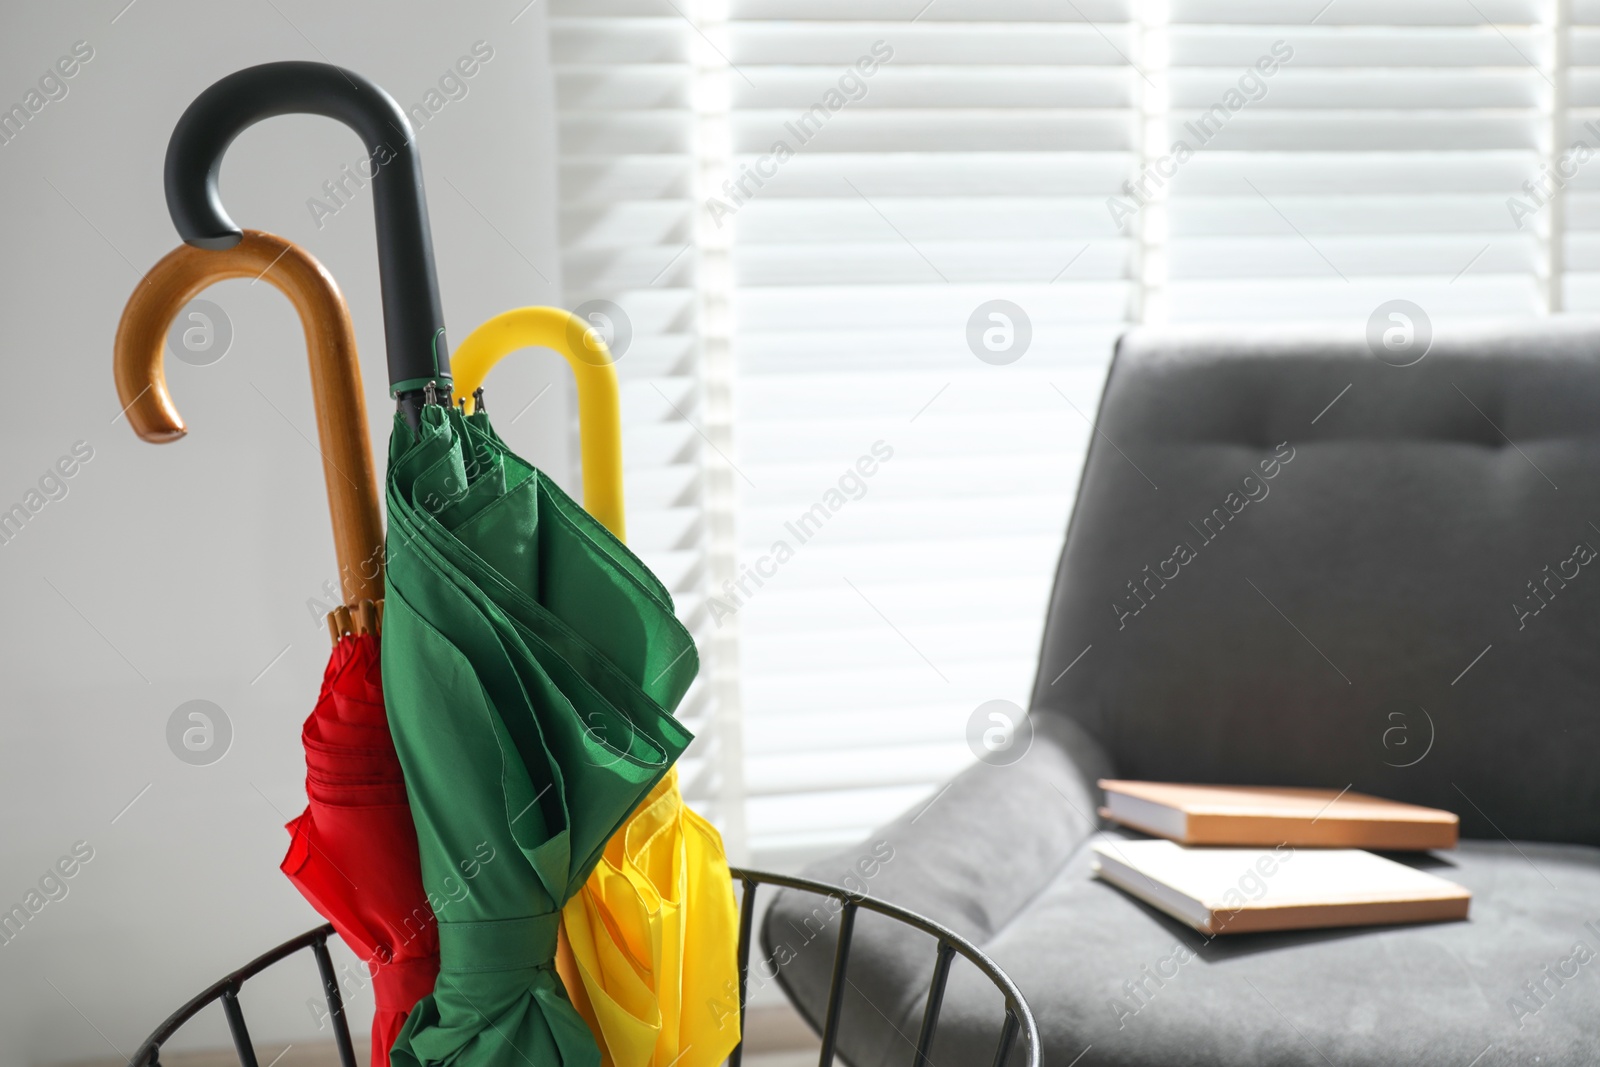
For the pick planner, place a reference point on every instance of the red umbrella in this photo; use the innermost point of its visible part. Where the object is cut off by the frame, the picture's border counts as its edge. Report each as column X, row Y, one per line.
column 353, row 852
column 357, row 828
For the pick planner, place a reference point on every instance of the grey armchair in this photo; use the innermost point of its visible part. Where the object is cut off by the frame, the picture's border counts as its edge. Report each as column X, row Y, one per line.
column 1289, row 563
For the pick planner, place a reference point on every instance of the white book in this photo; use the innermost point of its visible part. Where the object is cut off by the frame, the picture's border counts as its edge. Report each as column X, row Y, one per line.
column 1245, row 890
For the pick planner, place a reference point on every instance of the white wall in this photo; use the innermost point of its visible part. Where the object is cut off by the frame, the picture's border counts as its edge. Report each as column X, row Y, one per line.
column 175, row 573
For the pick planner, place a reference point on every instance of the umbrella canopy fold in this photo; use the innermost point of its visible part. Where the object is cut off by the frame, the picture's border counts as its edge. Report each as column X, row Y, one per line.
column 530, row 667
column 353, row 851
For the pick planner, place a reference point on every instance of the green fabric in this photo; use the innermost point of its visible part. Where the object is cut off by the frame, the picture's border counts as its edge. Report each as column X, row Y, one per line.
column 530, row 667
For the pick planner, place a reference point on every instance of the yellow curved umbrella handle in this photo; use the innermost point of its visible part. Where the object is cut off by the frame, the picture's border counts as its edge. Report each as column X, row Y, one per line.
column 599, row 406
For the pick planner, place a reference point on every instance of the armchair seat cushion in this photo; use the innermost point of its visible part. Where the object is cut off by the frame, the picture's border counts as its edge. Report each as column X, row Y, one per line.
column 1105, row 973
column 1102, row 969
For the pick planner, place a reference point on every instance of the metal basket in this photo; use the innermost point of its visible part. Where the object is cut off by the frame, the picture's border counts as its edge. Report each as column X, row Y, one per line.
column 1018, row 1022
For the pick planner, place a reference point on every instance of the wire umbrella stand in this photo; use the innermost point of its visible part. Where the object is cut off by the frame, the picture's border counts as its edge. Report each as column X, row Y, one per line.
column 1018, row 1025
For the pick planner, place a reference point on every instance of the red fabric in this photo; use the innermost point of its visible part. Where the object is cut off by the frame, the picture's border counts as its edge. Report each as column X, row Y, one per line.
column 353, row 851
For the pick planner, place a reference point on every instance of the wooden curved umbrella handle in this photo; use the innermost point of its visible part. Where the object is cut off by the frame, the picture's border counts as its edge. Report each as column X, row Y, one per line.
column 599, row 406
column 335, row 388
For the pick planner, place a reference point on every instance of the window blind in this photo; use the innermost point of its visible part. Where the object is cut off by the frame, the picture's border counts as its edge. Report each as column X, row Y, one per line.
column 855, row 475
column 633, row 265
column 1578, row 227
column 1375, row 164
column 939, row 163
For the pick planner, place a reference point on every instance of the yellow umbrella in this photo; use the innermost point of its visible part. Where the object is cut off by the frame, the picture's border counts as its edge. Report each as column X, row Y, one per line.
column 650, row 943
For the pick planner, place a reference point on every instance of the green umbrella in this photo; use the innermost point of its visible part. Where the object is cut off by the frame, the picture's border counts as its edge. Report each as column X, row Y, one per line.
column 530, row 662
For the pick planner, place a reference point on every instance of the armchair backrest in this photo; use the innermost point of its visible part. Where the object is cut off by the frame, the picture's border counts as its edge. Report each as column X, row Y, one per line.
column 1291, row 562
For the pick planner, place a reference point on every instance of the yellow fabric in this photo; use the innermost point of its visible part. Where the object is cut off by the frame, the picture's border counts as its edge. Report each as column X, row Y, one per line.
column 649, row 946
column 652, row 936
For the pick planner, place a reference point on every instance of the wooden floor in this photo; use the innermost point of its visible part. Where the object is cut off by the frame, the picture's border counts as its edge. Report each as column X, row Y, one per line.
column 777, row 1037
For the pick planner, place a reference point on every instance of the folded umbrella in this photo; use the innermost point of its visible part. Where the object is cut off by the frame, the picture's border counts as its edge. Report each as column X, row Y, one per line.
column 529, row 661
column 559, row 657
column 653, row 934
column 353, row 852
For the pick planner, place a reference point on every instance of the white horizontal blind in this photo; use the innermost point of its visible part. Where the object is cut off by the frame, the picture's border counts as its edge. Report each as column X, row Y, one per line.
column 1581, row 125
column 891, row 166
column 1374, row 163
column 629, row 156
column 970, row 165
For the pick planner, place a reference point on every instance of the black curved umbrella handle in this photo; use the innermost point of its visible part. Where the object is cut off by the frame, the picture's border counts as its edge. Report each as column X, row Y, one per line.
column 412, row 318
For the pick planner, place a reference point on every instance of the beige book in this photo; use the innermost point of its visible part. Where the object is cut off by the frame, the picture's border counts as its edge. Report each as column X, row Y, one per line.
column 1248, row 890
column 1275, row 815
